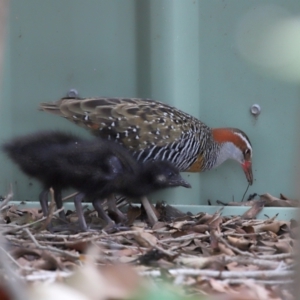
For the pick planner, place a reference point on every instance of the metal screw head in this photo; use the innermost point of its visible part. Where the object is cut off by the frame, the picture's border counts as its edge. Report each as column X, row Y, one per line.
column 73, row 93
column 255, row 109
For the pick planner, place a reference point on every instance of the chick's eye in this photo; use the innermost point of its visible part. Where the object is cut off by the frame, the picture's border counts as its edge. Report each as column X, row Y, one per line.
column 170, row 174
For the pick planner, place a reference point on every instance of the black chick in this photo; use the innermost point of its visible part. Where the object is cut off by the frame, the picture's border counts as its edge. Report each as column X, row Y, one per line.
column 96, row 168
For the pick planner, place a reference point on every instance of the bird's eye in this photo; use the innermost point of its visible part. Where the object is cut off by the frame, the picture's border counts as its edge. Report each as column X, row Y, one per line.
column 170, row 174
column 247, row 151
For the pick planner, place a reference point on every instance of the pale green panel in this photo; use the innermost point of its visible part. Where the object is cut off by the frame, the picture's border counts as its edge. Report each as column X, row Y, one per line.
column 180, row 52
column 228, row 87
column 174, row 67
column 87, row 45
column 6, row 174
column 59, row 45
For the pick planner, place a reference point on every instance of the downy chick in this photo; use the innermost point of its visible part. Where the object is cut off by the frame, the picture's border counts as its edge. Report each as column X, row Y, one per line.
column 96, row 168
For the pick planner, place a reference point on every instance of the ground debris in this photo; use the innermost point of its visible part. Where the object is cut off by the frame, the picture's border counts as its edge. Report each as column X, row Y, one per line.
column 207, row 255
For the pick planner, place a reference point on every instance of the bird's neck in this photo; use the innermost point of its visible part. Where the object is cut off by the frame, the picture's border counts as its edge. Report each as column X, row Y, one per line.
column 228, row 144
column 137, row 184
column 223, row 135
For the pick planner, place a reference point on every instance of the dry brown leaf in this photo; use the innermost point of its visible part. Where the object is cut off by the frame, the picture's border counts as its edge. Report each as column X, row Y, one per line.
column 215, row 222
column 139, row 224
column 178, row 225
column 184, row 244
column 164, row 264
column 234, row 266
column 239, row 243
column 27, row 253
column 35, row 213
column 254, row 210
column 214, row 242
column 178, row 233
column 250, row 230
column 22, row 261
column 284, row 247
column 268, row 200
column 205, row 248
column 225, row 250
column 22, row 216
column 194, row 261
column 276, row 202
column 145, row 239
column 273, row 227
column 159, row 225
column 240, row 230
column 132, row 214
column 203, row 218
column 48, row 261
column 169, row 213
column 127, row 259
column 80, row 246
column 220, row 286
column 201, row 228
column 268, row 243
column 128, row 252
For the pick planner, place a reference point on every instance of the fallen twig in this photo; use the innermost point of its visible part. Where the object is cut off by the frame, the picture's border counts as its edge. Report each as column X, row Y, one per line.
column 235, row 249
column 270, row 274
column 17, row 228
column 8, row 197
column 52, row 249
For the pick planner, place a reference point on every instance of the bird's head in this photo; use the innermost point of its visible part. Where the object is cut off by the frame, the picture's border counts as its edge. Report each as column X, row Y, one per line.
column 234, row 144
column 163, row 175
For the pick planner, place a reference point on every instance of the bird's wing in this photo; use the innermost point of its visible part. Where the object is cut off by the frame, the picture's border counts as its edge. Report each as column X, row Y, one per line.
column 79, row 162
column 136, row 123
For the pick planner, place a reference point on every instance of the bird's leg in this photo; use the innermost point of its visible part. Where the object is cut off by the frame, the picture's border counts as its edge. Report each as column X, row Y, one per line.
column 102, row 214
column 43, row 197
column 78, row 206
column 111, row 202
column 149, row 210
column 59, row 203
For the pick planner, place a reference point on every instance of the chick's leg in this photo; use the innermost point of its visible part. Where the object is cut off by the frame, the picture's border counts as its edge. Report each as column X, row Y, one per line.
column 149, row 210
column 43, row 197
column 59, row 203
column 111, row 202
column 78, row 206
column 97, row 203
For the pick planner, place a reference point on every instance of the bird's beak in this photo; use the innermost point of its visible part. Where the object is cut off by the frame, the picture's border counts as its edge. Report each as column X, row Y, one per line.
column 247, row 167
column 181, row 182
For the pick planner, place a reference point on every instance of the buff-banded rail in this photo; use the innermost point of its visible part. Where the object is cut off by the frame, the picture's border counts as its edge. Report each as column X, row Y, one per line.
column 155, row 130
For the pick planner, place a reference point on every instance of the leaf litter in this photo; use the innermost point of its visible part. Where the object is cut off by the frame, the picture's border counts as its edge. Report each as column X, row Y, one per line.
column 202, row 255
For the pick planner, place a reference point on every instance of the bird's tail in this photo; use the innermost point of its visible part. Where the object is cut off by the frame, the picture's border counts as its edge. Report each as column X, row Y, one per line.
column 51, row 107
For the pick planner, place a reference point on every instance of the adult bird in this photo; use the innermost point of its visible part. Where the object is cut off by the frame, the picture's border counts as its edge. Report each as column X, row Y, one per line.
column 155, row 130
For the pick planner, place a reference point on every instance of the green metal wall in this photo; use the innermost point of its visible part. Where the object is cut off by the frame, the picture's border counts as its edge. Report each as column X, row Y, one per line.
column 180, row 52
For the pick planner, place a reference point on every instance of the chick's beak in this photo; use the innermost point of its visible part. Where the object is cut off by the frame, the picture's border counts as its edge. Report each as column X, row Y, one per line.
column 247, row 167
column 179, row 181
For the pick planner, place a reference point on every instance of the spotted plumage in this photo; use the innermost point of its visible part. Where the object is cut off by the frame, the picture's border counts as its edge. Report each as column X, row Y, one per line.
column 154, row 130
